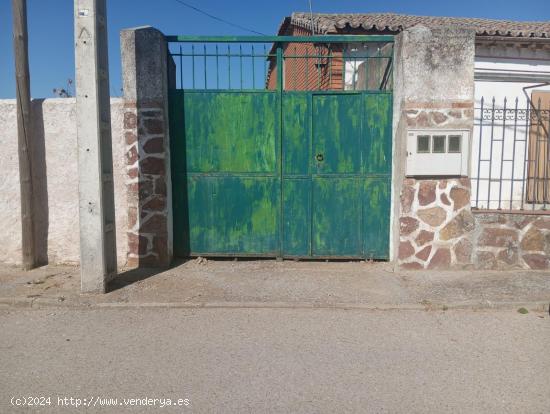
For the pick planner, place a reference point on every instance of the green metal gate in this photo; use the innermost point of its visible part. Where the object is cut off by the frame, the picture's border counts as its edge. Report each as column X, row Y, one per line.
column 297, row 167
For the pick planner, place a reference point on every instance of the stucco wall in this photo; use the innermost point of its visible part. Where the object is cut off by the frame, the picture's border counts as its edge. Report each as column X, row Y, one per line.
column 501, row 72
column 56, row 177
column 437, row 64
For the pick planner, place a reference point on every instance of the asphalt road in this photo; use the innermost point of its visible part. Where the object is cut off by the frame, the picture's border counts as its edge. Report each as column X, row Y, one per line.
column 275, row 361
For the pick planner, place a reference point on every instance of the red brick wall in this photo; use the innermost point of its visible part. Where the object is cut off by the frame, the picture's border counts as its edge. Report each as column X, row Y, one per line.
column 304, row 74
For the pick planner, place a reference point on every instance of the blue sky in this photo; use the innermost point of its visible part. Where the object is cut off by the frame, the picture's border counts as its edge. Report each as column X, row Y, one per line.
column 51, row 26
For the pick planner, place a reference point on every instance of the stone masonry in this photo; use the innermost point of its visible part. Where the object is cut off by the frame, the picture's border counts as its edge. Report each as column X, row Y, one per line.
column 438, row 230
column 145, row 81
column 431, row 116
column 435, row 220
column 508, row 241
column 144, row 134
column 435, row 224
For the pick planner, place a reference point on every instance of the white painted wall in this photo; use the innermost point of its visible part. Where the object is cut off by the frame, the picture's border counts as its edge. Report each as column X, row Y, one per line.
column 355, row 63
column 59, row 185
column 502, row 73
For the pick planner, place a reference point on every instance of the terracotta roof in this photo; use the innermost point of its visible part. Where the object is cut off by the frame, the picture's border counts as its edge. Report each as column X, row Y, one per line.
column 390, row 22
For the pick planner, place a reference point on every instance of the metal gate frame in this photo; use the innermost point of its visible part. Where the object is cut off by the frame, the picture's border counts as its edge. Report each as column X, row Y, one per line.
column 278, row 42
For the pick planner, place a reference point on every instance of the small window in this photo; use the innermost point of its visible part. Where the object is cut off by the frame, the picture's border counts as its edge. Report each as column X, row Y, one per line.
column 438, row 144
column 423, row 143
column 454, row 143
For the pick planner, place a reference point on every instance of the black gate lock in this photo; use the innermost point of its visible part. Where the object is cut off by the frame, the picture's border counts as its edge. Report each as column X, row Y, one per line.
column 319, row 157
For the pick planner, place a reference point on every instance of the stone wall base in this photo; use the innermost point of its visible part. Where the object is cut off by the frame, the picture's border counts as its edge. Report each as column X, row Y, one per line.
column 145, row 137
column 511, row 241
column 435, row 224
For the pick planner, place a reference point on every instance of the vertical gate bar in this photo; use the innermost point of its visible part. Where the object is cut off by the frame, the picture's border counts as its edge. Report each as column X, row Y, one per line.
column 318, row 52
column 362, row 172
column 330, row 67
column 204, row 61
column 307, row 69
column 280, row 164
column 265, row 64
column 379, row 65
column 343, row 70
column 537, row 157
column 368, row 61
column 479, row 153
column 546, row 137
column 253, row 69
column 217, row 68
column 279, row 57
column 491, row 154
column 514, row 152
column 386, row 75
column 241, row 63
column 537, row 152
column 525, row 156
column 310, row 169
column 295, row 69
column 546, row 128
column 502, row 155
column 545, row 166
column 229, row 65
column 354, row 70
column 181, row 68
column 391, row 67
column 193, row 63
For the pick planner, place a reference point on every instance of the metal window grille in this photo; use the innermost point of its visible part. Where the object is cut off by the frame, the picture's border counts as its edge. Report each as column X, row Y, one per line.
column 510, row 155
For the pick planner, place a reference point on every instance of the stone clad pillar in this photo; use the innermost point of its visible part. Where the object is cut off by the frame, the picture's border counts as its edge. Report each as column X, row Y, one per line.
column 434, row 89
column 145, row 83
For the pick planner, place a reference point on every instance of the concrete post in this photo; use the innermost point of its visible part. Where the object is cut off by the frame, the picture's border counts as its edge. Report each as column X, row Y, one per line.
column 95, row 163
column 145, row 73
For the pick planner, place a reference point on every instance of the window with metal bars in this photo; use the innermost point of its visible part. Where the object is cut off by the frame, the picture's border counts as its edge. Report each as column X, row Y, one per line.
column 511, row 153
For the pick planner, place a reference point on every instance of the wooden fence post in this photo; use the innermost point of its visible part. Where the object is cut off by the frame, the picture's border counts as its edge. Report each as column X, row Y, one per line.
column 23, row 97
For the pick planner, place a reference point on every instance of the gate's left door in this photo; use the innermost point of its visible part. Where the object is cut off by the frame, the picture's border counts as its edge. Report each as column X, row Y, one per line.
column 226, row 175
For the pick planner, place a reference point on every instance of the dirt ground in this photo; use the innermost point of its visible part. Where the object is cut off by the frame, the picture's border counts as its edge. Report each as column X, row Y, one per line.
column 202, row 282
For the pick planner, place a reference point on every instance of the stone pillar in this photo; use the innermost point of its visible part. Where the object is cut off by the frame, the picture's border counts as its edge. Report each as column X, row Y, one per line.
column 145, row 83
column 434, row 89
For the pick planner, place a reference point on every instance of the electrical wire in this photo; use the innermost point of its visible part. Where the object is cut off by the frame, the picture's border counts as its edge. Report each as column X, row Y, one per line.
column 218, row 18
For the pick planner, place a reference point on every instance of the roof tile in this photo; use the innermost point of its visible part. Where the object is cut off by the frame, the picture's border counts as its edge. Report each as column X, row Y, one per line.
column 391, row 22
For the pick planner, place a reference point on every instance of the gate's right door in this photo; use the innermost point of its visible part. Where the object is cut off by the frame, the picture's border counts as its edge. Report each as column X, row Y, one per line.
column 336, row 181
column 350, row 186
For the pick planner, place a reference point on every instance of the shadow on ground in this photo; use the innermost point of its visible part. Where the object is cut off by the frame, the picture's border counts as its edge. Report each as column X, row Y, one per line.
column 131, row 276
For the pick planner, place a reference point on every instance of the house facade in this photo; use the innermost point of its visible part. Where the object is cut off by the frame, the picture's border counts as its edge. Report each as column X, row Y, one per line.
column 418, row 140
column 492, row 90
